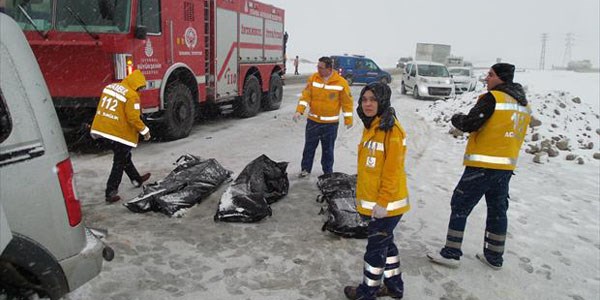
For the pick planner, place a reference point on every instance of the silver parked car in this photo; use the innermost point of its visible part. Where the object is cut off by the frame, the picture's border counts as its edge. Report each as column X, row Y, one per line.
column 464, row 79
column 44, row 247
column 427, row 80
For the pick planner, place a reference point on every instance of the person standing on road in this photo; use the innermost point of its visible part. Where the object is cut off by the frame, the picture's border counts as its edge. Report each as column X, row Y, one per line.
column 296, row 62
column 381, row 193
column 118, row 121
column 325, row 92
column 497, row 125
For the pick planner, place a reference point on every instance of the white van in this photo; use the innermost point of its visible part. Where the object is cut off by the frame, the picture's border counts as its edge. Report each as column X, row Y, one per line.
column 44, row 247
column 464, row 79
column 427, row 80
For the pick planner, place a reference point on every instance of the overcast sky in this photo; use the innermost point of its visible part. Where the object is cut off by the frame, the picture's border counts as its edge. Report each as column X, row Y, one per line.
column 478, row 30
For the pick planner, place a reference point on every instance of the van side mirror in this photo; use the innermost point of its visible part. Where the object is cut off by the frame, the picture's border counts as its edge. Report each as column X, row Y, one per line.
column 140, row 32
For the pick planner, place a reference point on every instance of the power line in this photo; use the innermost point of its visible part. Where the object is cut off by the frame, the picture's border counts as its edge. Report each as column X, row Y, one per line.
column 568, row 45
column 543, row 54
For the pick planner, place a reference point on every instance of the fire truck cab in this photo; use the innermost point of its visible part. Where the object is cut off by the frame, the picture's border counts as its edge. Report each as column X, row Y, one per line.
column 228, row 53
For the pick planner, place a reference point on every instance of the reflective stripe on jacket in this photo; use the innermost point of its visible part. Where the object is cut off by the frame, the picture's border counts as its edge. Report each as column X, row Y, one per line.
column 497, row 143
column 326, row 98
column 118, row 113
column 381, row 178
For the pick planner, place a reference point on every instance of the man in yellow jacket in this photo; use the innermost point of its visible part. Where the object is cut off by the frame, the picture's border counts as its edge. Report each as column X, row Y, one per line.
column 381, row 193
column 118, row 121
column 325, row 93
column 497, row 126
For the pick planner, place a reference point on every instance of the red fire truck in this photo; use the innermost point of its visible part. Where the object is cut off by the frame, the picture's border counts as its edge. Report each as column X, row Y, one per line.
column 192, row 52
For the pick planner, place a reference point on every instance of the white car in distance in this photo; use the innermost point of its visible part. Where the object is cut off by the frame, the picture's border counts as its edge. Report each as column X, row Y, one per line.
column 464, row 79
column 427, row 80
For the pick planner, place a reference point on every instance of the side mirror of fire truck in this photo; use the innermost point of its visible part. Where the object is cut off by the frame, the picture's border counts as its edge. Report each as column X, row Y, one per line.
column 140, row 32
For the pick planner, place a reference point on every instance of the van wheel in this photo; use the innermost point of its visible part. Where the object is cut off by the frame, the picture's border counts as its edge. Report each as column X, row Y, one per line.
column 179, row 113
column 416, row 93
column 350, row 80
column 248, row 104
column 402, row 88
column 272, row 100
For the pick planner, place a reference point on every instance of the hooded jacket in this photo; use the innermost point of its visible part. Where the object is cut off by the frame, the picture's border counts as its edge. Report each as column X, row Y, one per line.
column 381, row 177
column 118, row 113
column 326, row 98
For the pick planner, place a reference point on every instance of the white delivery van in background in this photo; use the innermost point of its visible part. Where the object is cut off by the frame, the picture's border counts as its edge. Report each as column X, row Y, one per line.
column 44, row 247
column 427, row 80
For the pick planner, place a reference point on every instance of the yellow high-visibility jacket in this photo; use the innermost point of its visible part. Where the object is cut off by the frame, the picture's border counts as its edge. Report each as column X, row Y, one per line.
column 381, row 178
column 118, row 113
column 326, row 98
column 497, row 143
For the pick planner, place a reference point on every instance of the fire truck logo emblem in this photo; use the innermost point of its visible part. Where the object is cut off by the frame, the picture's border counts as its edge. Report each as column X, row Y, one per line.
column 190, row 37
column 148, row 49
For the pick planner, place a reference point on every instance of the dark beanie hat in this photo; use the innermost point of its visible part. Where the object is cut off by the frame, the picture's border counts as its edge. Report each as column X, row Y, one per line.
column 506, row 72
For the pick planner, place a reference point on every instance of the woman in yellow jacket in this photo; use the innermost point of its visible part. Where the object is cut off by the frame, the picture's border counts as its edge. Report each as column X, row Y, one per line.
column 381, row 193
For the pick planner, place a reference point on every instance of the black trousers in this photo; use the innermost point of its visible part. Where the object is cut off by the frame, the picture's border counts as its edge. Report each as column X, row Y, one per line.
column 121, row 162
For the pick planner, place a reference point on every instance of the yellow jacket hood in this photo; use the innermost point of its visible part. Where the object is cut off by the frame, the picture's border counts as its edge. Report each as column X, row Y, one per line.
column 134, row 80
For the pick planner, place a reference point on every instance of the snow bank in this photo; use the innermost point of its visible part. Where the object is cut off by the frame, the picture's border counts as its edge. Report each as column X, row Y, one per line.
column 562, row 124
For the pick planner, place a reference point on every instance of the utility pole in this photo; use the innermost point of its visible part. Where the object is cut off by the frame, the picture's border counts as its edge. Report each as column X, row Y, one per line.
column 543, row 54
column 568, row 44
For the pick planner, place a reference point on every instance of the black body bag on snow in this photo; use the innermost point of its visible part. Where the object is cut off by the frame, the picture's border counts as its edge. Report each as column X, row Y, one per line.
column 191, row 181
column 338, row 191
column 261, row 183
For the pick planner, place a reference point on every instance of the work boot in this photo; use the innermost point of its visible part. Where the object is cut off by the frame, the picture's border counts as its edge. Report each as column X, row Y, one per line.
column 303, row 174
column 143, row 178
column 352, row 294
column 384, row 291
column 486, row 262
column 112, row 199
column 437, row 258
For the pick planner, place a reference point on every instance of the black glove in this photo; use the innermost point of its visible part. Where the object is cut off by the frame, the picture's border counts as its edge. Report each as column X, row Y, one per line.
column 457, row 119
column 388, row 118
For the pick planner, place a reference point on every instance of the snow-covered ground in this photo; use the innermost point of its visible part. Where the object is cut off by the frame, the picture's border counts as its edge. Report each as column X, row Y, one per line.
column 565, row 122
column 553, row 246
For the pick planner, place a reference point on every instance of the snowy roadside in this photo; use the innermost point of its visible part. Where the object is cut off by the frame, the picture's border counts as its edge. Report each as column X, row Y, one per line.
column 552, row 248
column 563, row 124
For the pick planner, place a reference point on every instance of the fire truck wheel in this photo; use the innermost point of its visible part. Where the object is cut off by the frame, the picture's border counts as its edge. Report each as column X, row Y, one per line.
column 272, row 100
column 179, row 113
column 248, row 104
